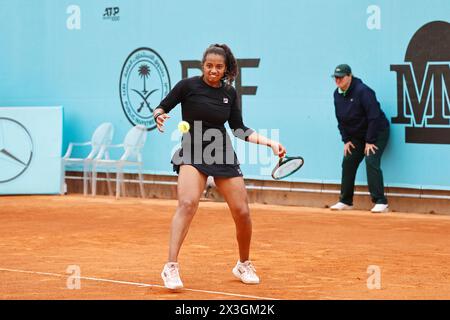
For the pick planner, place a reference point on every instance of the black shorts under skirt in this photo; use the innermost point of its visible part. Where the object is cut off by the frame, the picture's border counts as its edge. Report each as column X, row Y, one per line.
column 214, row 170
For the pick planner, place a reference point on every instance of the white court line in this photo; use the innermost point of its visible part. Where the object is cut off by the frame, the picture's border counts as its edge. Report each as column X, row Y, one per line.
column 139, row 284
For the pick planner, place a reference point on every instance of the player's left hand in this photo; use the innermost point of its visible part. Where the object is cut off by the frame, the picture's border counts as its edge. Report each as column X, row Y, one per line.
column 278, row 149
column 370, row 148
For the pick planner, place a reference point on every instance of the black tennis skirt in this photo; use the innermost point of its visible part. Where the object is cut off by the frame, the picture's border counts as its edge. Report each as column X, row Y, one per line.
column 213, row 170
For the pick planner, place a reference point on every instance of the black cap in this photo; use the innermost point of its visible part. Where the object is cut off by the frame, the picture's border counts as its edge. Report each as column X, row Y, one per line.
column 342, row 70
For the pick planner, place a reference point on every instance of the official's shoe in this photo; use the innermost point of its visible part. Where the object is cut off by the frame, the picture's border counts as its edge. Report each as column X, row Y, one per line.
column 380, row 208
column 171, row 276
column 341, row 206
column 246, row 272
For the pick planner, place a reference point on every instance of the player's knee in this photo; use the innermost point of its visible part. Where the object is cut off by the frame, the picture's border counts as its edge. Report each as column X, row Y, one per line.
column 187, row 206
column 242, row 213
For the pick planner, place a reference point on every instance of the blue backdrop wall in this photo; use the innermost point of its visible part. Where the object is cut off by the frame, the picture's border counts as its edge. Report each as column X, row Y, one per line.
column 84, row 56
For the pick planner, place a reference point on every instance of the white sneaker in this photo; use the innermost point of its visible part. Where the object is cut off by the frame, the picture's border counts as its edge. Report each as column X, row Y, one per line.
column 380, row 208
column 341, row 206
column 245, row 271
column 171, row 276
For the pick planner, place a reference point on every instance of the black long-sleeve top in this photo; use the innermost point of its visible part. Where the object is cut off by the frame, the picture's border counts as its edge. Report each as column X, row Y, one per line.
column 205, row 107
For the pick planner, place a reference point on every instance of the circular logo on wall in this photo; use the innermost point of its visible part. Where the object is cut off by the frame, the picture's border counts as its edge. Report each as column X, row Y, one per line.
column 16, row 149
column 144, row 82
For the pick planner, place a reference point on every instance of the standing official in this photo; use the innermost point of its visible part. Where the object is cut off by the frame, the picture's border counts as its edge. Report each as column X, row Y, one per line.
column 364, row 130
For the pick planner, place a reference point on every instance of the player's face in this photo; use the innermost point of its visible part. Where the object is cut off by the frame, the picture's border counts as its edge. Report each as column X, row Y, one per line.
column 213, row 69
column 343, row 82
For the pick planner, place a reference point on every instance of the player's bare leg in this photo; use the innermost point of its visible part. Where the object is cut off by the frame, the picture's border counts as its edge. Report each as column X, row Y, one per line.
column 235, row 194
column 191, row 184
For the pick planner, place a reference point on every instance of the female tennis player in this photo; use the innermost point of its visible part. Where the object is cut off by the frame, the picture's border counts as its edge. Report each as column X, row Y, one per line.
column 207, row 102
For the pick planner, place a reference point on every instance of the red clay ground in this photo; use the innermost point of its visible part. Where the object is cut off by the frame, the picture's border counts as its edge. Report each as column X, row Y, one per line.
column 299, row 253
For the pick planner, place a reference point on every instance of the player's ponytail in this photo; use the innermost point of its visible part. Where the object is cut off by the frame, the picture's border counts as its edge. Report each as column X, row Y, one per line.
column 230, row 61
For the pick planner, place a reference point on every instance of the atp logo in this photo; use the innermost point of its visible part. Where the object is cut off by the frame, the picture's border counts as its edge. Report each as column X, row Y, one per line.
column 423, row 86
column 111, row 13
column 144, row 82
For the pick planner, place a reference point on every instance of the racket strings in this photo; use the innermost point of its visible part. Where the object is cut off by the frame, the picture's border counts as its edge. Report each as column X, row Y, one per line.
column 287, row 168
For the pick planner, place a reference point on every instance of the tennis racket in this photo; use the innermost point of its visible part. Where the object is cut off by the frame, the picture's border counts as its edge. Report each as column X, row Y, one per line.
column 287, row 166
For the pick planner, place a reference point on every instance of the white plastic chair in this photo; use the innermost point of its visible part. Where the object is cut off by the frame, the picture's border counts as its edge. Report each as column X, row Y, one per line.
column 132, row 156
column 101, row 137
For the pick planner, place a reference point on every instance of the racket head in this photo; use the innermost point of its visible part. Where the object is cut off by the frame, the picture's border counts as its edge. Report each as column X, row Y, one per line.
column 287, row 166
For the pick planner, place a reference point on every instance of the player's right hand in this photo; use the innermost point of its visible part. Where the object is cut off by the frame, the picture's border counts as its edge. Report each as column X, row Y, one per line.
column 160, row 121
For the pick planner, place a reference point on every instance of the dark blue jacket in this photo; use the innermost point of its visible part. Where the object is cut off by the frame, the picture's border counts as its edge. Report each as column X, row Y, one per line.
column 358, row 113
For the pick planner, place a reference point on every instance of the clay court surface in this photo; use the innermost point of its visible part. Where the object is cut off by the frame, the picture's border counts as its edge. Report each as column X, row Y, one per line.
column 300, row 253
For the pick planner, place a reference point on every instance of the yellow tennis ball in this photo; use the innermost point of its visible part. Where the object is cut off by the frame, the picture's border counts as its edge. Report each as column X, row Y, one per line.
column 183, row 126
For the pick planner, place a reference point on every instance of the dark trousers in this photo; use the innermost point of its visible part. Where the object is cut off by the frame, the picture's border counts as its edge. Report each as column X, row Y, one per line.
column 350, row 165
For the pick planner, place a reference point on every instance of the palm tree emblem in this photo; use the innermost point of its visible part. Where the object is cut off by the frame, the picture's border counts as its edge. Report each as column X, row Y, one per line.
column 144, row 73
